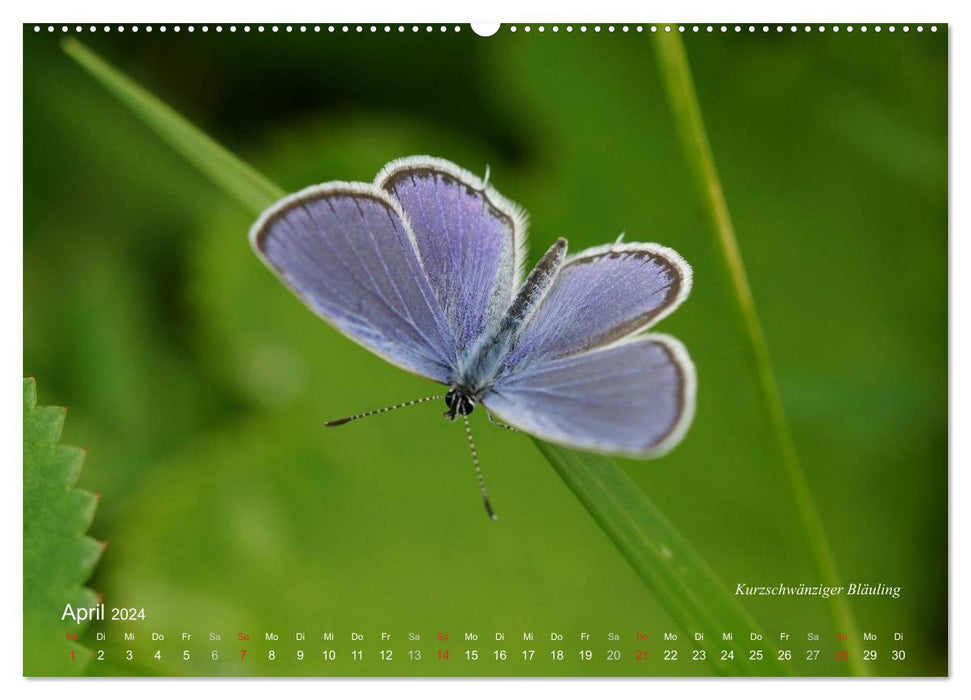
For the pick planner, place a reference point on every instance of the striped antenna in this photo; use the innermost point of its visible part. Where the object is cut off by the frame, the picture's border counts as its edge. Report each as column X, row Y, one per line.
column 478, row 470
column 342, row 421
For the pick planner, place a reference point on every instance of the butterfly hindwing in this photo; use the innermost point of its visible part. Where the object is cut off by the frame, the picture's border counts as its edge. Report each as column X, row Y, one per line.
column 635, row 397
column 469, row 237
column 346, row 251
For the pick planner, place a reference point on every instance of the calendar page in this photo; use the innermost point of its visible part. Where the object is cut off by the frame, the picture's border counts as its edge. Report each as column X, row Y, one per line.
column 565, row 350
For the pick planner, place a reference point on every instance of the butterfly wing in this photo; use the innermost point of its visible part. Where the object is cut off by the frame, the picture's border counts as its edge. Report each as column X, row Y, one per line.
column 469, row 237
column 346, row 251
column 599, row 296
column 574, row 377
column 635, row 397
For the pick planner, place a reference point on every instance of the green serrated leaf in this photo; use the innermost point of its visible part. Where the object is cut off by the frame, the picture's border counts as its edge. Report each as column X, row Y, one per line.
column 58, row 556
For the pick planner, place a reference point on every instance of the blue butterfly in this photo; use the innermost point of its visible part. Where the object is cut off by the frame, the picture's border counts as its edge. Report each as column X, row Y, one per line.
column 424, row 268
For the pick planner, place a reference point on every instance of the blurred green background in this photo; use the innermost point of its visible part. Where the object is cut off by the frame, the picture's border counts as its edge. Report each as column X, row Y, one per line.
column 199, row 383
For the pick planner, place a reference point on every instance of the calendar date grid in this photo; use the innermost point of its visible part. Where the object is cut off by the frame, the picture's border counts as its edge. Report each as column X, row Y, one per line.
column 443, row 648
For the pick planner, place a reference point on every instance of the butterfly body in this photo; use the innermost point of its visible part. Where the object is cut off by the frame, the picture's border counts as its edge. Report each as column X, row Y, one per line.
column 477, row 371
column 460, row 401
column 424, row 267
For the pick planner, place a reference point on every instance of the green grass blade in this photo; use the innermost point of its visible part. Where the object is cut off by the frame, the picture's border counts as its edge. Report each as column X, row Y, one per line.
column 230, row 173
column 660, row 555
column 691, row 128
column 665, row 561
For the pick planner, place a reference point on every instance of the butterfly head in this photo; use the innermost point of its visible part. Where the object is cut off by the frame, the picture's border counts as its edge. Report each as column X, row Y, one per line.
column 460, row 402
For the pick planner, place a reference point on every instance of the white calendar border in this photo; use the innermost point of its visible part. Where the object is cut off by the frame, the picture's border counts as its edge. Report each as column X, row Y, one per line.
column 928, row 11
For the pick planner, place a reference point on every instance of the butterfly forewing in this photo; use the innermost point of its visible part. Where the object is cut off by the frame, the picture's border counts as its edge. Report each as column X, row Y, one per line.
column 345, row 250
column 468, row 236
column 599, row 296
column 635, row 397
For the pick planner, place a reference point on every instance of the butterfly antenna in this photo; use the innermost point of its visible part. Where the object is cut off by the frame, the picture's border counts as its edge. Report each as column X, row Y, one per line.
column 413, row 402
column 478, row 470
